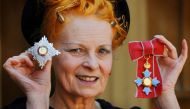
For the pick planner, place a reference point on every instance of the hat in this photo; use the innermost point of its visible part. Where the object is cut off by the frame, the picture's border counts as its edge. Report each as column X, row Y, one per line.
column 33, row 13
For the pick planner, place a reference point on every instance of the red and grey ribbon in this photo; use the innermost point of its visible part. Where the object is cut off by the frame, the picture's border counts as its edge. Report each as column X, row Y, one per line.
column 138, row 50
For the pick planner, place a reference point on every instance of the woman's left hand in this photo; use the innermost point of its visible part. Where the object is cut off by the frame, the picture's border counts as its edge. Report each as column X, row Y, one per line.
column 171, row 64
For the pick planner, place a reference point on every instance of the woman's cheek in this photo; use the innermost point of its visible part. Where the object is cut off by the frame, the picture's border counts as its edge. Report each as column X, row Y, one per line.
column 63, row 72
column 107, row 66
column 66, row 67
column 64, row 63
column 106, row 71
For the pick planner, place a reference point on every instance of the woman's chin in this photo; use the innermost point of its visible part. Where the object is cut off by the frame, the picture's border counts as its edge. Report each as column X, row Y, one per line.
column 89, row 93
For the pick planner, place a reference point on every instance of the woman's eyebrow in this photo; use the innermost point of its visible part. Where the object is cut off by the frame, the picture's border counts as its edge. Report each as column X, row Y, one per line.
column 82, row 45
column 67, row 44
column 71, row 43
column 106, row 45
column 76, row 43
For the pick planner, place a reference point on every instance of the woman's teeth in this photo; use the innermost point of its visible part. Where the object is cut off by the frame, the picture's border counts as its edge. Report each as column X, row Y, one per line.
column 87, row 78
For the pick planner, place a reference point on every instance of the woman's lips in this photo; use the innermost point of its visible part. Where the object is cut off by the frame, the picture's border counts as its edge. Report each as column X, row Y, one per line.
column 87, row 78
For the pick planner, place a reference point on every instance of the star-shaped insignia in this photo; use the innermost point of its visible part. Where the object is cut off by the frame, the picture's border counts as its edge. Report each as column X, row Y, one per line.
column 147, row 82
column 43, row 51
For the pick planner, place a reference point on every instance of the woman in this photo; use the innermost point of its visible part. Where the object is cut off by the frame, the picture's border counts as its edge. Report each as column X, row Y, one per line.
column 86, row 33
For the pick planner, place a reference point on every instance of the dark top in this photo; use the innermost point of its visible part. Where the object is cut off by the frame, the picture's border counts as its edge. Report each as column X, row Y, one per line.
column 20, row 103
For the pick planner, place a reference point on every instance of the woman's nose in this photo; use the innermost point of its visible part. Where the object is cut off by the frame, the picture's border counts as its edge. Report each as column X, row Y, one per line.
column 91, row 62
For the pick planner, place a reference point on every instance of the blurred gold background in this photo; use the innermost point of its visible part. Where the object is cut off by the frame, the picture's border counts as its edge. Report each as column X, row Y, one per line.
column 170, row 18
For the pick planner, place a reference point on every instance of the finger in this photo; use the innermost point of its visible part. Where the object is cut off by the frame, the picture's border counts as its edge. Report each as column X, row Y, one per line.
column 165, row 54
column 47, row 66
column 27, row 54
column 8, row 66
column 35, row 62
column 24, row 60
column 172, row 52
column 17, row 61
column 46, row 71
column 184, row 51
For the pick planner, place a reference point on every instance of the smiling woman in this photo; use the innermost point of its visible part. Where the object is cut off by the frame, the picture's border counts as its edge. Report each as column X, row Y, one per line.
column 88, row 46
column 86, row 32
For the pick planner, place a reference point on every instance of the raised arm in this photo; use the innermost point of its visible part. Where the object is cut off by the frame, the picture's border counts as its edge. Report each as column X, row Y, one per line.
column 34, row 82
column 171, row 66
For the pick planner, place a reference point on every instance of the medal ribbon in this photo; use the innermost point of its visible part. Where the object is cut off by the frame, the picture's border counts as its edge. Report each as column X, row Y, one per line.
column 138, row 51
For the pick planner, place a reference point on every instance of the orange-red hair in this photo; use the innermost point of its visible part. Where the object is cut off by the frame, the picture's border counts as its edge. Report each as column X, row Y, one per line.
column 101, row 8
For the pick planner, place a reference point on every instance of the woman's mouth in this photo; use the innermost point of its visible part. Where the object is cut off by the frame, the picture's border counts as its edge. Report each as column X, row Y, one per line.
column 87, row 78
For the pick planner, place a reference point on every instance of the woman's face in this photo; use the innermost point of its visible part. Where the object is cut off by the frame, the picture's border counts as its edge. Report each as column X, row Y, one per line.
column 85, row 62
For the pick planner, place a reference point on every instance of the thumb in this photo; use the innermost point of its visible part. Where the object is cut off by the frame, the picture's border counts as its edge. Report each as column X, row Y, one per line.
column 47, row 67
column 184, row 52
column 45, row 72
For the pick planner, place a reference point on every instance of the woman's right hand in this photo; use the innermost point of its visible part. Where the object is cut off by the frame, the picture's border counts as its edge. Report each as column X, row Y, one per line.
column 32, row 80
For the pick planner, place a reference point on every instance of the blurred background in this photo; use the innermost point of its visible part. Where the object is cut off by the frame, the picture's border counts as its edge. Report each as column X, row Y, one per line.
column 170, row 18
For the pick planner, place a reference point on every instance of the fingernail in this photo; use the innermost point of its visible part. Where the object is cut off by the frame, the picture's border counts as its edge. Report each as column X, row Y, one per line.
column 156, row 36
column 183, row 40
column 159, row 37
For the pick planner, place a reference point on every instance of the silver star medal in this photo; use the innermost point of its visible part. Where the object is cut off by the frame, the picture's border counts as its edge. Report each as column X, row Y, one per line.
column 43, row 51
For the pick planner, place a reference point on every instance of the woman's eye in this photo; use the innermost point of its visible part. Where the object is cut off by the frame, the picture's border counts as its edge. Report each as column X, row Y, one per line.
column 103, row 51
column 76, row 51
